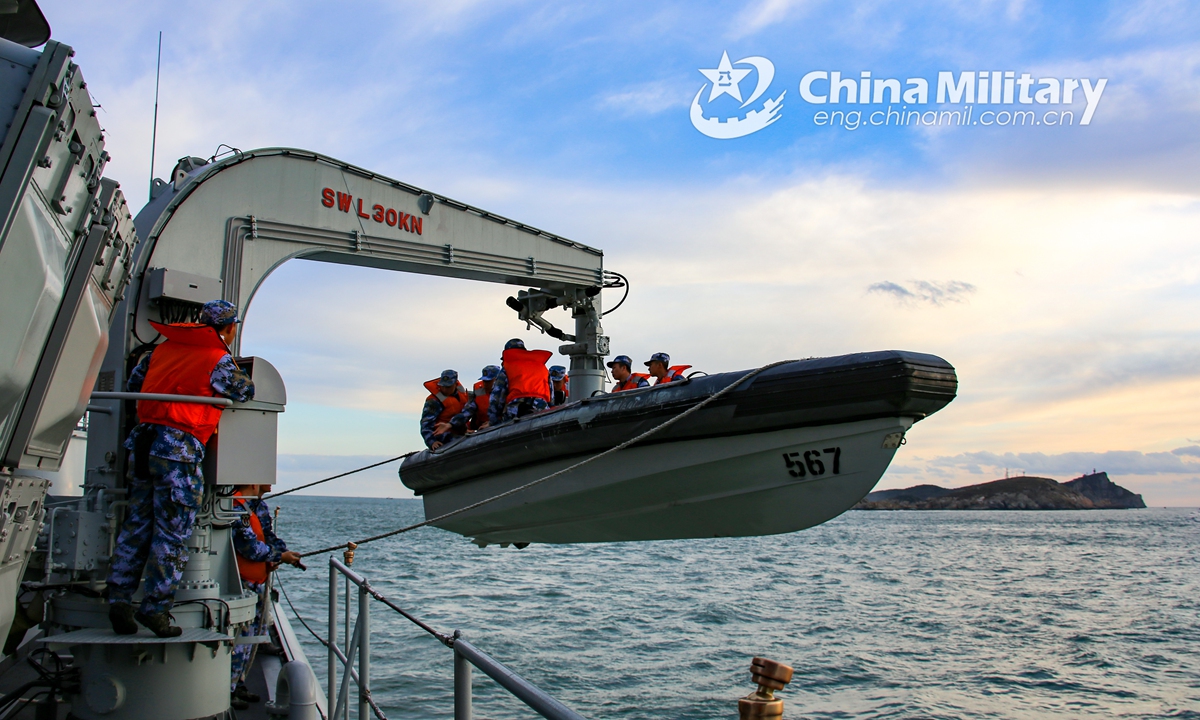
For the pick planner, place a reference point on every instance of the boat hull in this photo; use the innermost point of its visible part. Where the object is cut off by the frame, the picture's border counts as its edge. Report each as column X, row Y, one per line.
column 728, row 486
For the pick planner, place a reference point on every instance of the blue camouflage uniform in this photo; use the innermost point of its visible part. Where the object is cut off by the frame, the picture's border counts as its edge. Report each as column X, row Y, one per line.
column 267, row 550
column 558, row 373
column 433, row 408
column 500, row 410
column 471, row 409
column 162, row 506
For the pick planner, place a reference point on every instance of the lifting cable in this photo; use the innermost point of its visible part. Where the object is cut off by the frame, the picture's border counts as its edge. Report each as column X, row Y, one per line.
column 721, row 393
column 342, row 475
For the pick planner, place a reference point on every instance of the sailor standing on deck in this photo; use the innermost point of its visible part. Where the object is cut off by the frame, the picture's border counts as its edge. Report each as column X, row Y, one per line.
column 441, row 417
column 523, row 385
column 166, row 448
column 259, row 551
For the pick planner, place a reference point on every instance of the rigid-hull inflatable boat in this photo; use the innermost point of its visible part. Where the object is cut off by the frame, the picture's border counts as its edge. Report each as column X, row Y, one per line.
column 790, row 448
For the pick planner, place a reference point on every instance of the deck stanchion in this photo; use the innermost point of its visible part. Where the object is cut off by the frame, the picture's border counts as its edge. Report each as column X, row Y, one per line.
column 364, row 653
column 333, row 630
column 466, row 655
column 462, row 687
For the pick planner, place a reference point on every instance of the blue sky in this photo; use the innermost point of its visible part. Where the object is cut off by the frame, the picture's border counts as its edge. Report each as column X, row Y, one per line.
column 1054, row 266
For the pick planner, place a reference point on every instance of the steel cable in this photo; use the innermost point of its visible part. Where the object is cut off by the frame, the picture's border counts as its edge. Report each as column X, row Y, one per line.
column 721, row 393
column 342, row 475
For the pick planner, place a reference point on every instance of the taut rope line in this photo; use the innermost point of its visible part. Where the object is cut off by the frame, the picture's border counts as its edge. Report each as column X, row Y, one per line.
column 335, row 477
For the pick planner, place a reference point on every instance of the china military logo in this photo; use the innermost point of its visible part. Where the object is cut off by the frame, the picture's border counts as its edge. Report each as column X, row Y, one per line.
column 725, row 121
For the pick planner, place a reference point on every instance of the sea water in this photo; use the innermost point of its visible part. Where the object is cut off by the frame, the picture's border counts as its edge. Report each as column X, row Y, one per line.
column 936, row 614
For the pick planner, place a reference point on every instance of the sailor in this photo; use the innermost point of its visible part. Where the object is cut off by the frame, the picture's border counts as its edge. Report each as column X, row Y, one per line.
column 560, row 385
column 166, row 448
column 627, row 380
column 441, row 418
column 661, row 368
column 523, row 385
column 259, row 551
column 476, row 411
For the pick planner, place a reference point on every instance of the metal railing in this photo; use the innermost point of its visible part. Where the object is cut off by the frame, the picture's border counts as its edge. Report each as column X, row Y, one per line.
column 357, row 643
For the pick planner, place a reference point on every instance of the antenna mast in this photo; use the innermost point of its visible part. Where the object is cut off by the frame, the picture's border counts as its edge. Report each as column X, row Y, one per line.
column 154, row 133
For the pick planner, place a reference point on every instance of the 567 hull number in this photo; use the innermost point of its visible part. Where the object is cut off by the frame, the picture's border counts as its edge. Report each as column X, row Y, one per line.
column 813, row 462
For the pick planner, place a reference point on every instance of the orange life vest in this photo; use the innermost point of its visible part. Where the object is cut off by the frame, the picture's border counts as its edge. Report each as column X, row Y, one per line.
column 528, row 376
column 254, row 571
column 183, row 365
column 630, row 383
column 675, row 372
column 566, row 389
column 483, row 398
column 451, row 404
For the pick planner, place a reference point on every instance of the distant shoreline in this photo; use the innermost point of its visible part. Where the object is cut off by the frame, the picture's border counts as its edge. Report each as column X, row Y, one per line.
column 1087, row 492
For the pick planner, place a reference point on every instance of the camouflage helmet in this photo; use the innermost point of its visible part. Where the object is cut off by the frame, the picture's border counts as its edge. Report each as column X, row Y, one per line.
column 218, row 313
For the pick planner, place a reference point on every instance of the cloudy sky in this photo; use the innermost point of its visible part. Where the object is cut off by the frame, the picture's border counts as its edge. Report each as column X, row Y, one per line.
column 1054, row 265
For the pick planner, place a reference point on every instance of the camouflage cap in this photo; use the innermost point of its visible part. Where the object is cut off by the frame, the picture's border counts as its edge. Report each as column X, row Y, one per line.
column 449, row 378
column 663, row 358
column 514, row 343
column 218, row 313
column 489, row 373
column 558, row 372
column 621, row 360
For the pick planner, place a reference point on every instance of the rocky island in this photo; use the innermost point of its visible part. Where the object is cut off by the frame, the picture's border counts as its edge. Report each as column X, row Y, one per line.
column 1087, row 492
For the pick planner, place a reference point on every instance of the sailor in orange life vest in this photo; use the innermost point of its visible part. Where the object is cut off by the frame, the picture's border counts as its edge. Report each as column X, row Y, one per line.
column 442, row 417
column 560, row 385
column 476, row 411
column 626, row 380
column 523, row 385
column 166, row 448
column 661, row 368
column 259, row 551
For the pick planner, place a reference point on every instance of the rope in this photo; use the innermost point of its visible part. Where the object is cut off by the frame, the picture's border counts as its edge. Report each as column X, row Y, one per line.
column 721, row 393
column 300, row 617
column 370, row 699
column 335, row 477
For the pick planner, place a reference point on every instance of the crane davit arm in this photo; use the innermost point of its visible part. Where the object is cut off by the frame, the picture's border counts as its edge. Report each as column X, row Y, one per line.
column 228, row 224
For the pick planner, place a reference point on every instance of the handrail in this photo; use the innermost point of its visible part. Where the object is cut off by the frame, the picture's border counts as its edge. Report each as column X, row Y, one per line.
column 465, row 655
column 522, row 689
column 164, row 397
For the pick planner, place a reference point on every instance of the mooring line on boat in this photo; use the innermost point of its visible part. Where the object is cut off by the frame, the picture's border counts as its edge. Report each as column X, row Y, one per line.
column 720, row 393
column 342, row 475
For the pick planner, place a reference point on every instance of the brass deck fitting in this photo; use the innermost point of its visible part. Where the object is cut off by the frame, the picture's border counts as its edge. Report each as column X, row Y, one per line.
column 762, row 703
column 348, row 554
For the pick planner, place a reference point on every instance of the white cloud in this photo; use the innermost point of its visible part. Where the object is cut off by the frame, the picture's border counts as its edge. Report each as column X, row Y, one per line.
column 766, row 13
column 1115, row 462
column 648, row 98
